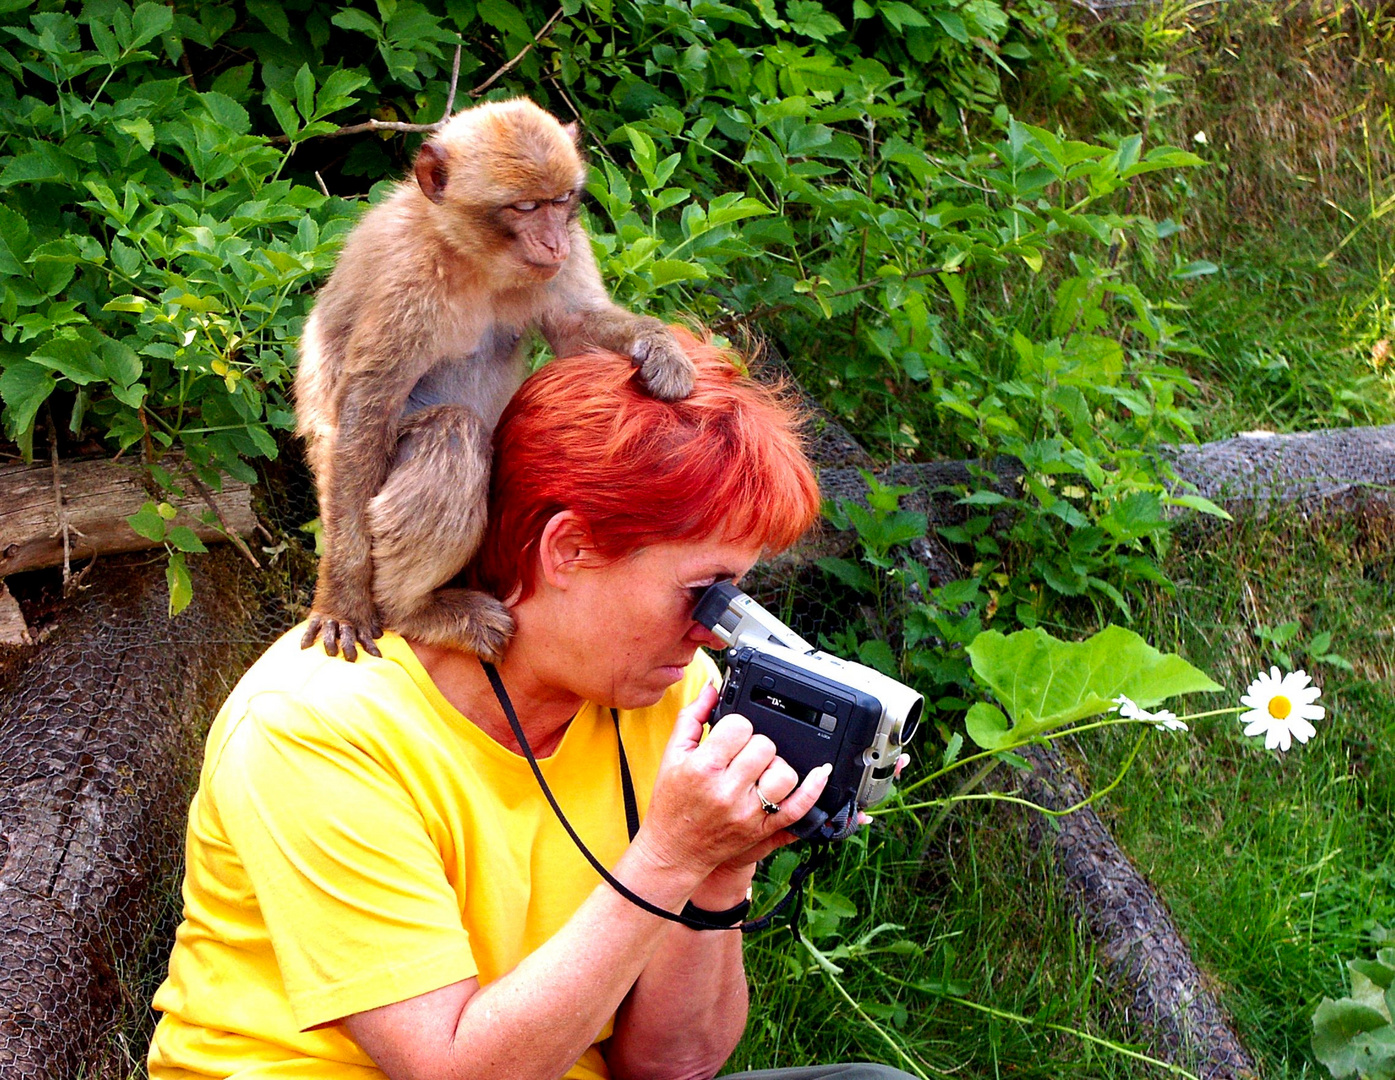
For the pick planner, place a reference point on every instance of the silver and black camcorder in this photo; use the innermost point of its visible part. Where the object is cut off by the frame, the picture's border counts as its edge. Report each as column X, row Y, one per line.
column 813, row 706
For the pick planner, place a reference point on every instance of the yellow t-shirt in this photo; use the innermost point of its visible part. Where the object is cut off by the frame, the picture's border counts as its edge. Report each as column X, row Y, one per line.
column 356, row 841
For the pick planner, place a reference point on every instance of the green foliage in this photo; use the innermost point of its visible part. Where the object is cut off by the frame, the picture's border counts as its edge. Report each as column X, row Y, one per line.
column 806, row 169
column 1354, row 1036
column 153, row 263
column 1044, row 683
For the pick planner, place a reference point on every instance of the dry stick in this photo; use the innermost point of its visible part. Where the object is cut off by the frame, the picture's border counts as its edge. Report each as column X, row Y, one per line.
column 228, row 530
column 321, row 181
column 482, row 87
column 59, row 508
column 393, row 125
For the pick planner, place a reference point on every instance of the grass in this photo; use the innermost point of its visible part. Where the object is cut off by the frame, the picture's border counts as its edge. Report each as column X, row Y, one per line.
column 1276, row 867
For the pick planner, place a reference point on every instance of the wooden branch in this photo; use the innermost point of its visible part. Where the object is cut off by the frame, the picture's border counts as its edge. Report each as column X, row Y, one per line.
column 389, row 125
column 96, row 496
column 482, row 87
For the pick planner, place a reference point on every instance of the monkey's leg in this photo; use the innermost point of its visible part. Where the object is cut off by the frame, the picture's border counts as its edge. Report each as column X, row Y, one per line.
column 426, row 522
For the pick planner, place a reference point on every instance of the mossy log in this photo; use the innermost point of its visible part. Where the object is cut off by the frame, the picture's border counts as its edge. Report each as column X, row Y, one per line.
column 99, row 742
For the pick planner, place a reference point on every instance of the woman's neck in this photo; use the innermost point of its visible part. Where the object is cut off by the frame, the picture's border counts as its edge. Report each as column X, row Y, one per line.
column 543, row 709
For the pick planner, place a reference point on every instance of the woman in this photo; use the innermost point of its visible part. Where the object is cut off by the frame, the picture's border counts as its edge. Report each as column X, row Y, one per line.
column 375, row 883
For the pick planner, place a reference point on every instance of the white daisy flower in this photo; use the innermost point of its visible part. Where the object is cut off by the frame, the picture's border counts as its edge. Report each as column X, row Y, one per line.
column 1281, row 708
column 1163, row 719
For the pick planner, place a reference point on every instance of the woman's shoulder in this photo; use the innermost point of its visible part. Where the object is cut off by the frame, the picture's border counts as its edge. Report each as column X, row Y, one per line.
column 292, row 693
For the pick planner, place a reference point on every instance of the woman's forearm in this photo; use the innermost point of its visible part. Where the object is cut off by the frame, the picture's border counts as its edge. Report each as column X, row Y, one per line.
column 534, row 1022
column 687, row 1011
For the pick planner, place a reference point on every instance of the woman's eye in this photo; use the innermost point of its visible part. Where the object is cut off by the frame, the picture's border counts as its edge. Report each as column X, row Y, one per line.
column 525, row 207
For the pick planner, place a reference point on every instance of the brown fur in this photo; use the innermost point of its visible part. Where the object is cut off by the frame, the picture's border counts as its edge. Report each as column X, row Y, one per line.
column 414, row 347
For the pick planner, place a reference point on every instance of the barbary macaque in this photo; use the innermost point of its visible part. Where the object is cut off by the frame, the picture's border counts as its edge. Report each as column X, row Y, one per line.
column 412, row 350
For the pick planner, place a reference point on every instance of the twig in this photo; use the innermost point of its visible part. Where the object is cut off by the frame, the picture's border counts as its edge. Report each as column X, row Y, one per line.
column 232, row 536
column 321, row 181
column 372, row 124
column 454, row 80
column 59, row 508
column 482, row 87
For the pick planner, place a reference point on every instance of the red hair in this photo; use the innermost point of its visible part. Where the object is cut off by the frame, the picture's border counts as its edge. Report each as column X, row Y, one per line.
column 583, row 435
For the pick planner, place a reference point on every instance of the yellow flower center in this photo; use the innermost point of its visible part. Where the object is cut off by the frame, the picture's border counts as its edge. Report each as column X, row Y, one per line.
column 1280, row 707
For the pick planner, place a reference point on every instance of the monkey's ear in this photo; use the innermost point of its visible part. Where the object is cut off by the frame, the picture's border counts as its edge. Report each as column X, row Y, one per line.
column 573, row 131
column 430, row 170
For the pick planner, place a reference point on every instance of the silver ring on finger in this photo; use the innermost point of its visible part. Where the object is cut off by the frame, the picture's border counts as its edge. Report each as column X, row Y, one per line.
column 765, row 804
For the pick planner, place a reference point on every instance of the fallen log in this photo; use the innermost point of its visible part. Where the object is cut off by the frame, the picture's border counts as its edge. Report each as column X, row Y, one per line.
column 99, row 744
column 1130, row 925
column 92, row 500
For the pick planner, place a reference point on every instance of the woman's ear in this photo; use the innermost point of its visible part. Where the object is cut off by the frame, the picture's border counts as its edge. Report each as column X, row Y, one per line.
column 564, row 548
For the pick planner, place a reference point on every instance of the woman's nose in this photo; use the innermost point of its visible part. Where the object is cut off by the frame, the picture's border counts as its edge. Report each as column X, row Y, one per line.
column 705, row 637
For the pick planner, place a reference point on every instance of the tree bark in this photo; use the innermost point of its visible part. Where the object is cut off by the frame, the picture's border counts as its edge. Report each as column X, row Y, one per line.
column 99, row 742
column 98, row 496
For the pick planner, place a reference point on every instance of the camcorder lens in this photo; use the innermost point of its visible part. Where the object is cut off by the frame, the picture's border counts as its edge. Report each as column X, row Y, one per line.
column 912, row 721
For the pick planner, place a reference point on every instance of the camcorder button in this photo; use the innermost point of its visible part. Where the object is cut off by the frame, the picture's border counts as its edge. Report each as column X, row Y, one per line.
column 828, row 722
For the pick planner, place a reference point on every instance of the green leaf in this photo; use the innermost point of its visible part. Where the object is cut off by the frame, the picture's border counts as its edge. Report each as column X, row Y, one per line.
column 986, row 725
column 953, row 25
column 1336, row 1025
column 24, row 386
column 147, row 522
column 876, row 653
column 504, row 16
column 284, row 112
column 184, row 539
column 1194, row 269
column 1199, row 503
column 734, row 207
column 852, row 574
column 1044, row 683
column 272, row 15
column 150, row 21
column 177, row 578
column 353, row 19
column 952, row 748
column 305, row 92
column 666, row 271
column 139, row 129
column 1375, row 1053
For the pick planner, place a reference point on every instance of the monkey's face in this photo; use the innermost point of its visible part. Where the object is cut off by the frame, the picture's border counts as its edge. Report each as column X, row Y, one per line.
column 537, row 232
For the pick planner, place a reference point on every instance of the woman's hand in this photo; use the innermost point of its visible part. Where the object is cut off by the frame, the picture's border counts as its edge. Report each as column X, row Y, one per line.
column 707, row 810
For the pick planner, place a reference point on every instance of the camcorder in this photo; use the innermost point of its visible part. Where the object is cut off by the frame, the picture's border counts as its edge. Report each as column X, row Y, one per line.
column 815, row 707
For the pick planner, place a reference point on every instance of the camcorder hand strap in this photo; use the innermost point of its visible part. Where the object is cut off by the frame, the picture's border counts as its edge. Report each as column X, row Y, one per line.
column 691, row 916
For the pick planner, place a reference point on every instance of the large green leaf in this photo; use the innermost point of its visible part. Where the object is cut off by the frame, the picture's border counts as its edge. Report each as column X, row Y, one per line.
column 1336, row 1027
column 1043, row 683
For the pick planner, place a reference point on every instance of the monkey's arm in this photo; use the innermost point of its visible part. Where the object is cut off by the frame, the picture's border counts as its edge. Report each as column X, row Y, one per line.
column 579, row 315
column 356, row 465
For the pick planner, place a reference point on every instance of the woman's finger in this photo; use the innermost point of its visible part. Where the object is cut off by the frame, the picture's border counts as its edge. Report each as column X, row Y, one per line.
column 687, row 728
column 778, row 780
column 801, row 800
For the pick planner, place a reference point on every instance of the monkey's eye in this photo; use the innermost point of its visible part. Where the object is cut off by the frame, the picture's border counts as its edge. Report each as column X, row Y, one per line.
column 563, row 199
column 525, row 207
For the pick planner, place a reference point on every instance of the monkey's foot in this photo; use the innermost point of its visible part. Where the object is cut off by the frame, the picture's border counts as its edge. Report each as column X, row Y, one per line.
column 460, row 619
column 665, row 368
column 340, row 633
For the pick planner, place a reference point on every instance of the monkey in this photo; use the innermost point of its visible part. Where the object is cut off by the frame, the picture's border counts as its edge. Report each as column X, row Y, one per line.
column 414, row 346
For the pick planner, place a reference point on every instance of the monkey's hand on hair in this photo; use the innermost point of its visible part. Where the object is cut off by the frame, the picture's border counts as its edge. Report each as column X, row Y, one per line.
column 663, row 365
column 342, row 634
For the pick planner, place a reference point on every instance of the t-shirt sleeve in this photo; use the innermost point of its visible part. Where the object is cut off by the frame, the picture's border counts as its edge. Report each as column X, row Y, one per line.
column 352, row 888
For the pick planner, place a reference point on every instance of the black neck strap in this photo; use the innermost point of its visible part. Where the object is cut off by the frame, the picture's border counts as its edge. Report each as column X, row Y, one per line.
column 796, row 883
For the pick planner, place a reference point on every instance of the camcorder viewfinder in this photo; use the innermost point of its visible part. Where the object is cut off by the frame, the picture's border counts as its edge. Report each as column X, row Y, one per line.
column 815, row 707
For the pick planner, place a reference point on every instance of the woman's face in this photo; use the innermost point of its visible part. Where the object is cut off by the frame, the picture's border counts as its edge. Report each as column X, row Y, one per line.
column 630, row 629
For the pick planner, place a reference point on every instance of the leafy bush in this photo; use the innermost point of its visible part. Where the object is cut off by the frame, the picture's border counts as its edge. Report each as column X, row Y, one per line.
column 843, row 178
